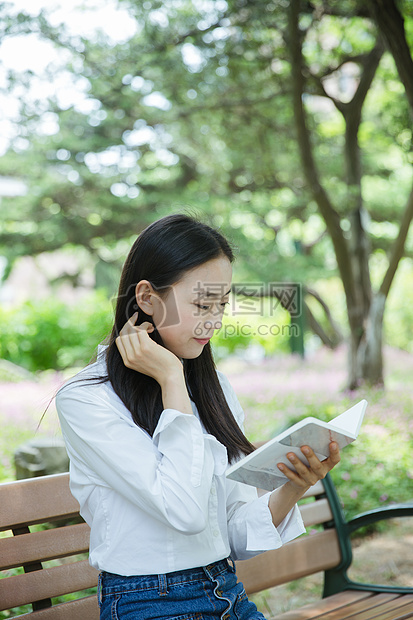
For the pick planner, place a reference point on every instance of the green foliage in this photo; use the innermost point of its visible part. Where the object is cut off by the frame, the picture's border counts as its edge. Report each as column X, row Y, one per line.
column 398, row 320
column 218, row 133
column 51, row 334
column 383, row 463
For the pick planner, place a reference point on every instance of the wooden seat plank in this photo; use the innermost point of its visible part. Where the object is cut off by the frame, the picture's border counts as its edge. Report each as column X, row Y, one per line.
column 369, row 607
column 36, row 500
column 45, row 545
column 296, row 559
column 318, row 609
column 397, row 609
column 83, row 609
column 47, row 583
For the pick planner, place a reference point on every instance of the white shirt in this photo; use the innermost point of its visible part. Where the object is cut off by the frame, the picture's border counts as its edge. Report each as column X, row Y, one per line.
column 159, row 504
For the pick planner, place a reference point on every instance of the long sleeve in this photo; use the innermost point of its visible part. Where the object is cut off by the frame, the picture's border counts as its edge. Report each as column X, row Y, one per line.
column 250, row 527
column 171, row 484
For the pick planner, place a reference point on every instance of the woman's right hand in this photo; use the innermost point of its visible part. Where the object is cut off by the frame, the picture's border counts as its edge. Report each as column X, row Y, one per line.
column 141, row 353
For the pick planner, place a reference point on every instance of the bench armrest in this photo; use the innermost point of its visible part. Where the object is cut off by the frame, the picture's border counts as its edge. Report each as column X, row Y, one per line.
column 336, row 579
column 380, row 514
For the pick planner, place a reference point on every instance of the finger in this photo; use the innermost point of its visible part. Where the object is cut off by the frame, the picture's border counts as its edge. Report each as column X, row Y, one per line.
column 146, row 326
column 120, row 343
column 129, row 327
column 298, row 480
column 335, row 456
column 126, row 348
column 322, row 467
column 128, row 343
column 309, row 474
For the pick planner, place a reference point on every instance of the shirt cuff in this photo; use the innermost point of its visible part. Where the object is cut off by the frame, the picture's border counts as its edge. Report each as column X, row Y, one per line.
column 266, row 536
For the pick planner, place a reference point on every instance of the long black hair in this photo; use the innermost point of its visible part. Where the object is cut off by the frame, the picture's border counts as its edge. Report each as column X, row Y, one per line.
column 162, row 254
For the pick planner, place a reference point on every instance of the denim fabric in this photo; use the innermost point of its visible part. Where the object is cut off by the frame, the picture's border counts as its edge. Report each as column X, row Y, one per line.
column 210, row 592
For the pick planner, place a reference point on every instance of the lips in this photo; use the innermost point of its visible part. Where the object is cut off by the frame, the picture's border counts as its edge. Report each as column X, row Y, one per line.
column 202, row 340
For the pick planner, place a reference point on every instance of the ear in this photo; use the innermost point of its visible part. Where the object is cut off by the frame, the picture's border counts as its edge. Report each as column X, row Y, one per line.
column 144, row 294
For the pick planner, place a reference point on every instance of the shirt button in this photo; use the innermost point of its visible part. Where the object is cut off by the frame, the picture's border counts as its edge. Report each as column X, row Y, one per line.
column 213, row 491
column 216, row 533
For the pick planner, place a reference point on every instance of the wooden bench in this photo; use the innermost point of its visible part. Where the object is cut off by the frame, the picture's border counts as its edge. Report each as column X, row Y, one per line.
column 52, row 564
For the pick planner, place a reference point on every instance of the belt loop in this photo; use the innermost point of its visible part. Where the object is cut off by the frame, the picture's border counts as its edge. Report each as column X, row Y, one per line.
column 163, row 585
column 99, row 592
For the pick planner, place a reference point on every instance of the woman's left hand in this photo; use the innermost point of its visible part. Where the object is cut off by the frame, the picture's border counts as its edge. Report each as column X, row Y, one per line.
column 303, row 476
column 300, row 479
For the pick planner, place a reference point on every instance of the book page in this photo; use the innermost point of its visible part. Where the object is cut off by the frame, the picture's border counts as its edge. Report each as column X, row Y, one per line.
column 317, row 437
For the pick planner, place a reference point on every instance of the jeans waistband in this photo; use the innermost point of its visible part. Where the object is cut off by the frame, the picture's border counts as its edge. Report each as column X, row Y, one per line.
column 111, row 583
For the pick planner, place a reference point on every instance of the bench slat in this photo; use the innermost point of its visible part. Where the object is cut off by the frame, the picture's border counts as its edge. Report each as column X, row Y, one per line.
column 316, row 489
column 316, row 513
column 319, row 609
column 349, row 605
column 44, row 545
column 36, row 500
column 296, row 559
column 371, row 605
column 47, row 583
column 83, row 609
column 397, row 609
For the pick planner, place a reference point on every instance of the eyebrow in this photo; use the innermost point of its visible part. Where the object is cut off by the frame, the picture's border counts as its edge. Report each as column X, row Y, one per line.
column 209, row 294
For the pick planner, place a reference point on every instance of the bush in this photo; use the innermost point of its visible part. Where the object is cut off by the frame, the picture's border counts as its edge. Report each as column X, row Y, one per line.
column 50, row 334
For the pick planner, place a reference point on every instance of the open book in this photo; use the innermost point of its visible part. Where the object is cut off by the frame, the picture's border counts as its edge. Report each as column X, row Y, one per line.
column 259, row 468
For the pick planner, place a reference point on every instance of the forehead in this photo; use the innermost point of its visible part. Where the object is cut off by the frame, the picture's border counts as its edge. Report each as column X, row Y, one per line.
column 212, row 279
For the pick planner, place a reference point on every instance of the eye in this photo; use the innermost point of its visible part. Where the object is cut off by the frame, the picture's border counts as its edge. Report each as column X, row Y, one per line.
column 201, row 307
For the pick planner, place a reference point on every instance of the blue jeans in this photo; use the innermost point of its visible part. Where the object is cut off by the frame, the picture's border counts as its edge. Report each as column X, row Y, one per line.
column 210, row 592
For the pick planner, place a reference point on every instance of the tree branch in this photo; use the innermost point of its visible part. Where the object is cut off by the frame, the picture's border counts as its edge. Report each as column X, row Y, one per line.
column 318, row 329
column 398, row 246
column 327, row 311
column 370, row 64
column 391, row 26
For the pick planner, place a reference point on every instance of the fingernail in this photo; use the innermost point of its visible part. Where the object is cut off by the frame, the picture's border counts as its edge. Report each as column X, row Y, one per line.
column 305, row 450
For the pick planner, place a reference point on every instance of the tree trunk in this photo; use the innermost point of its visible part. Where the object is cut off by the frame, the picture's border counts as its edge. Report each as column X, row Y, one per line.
column 371, row 350
column 352, row 255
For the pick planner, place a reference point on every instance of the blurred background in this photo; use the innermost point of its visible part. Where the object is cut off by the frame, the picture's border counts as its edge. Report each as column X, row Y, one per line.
column 288, row 125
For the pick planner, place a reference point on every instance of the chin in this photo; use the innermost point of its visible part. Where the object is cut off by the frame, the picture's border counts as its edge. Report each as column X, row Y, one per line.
column 191, row 353
column 191, row 357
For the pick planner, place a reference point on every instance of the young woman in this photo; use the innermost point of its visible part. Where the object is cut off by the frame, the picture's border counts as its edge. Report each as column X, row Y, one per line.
column 150, row 429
